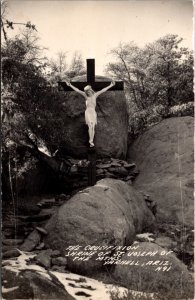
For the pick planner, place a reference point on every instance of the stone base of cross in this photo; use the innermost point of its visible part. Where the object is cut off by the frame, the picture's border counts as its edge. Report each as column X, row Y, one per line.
column 96, row 86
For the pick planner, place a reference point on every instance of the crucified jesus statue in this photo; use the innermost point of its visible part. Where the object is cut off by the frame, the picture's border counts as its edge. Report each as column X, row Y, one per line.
column 90, row 112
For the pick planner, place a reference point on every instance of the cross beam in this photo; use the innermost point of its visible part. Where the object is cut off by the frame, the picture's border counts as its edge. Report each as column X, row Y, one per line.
column 96, row 85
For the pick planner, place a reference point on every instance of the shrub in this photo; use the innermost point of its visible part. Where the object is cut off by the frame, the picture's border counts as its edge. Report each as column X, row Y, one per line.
column 185, row 109
column 141, row 120
column 134, row 295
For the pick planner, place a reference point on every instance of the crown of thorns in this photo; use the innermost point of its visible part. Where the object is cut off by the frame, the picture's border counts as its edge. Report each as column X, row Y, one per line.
column 88, row 87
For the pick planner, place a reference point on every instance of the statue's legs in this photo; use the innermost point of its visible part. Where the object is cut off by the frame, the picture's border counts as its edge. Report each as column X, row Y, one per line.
column 91, row 134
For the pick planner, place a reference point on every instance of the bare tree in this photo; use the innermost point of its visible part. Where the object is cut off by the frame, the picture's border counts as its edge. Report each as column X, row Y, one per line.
column 4, row 6
column 34, row 52
column 76, row 66
column 10, row 24
column 127, row 68
column 59, row 65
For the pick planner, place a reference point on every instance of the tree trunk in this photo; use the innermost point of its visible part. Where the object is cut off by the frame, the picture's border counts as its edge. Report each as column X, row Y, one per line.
column 57, row 166
column 169, row 86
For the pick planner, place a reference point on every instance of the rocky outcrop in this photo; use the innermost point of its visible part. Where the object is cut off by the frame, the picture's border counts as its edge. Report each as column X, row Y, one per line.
column 105, row 168
column 109, row 213
column 31, row 284
column 22, row 279
column 112, row 124
column 151, row 269
column 164, row 156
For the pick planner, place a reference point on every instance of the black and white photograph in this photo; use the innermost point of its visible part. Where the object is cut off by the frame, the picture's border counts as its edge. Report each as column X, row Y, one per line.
column 97, row 150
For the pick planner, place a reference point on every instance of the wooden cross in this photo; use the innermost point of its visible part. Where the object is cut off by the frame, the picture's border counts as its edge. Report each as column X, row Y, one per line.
column 96, row 86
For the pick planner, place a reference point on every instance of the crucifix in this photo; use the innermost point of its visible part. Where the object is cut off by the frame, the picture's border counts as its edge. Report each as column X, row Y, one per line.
column 90, row 94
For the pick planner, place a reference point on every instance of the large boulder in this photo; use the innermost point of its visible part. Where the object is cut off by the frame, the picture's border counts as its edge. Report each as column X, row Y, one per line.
column 112, row 124
column 31, row 284
column 153, row 269
column 164, row 156
column 109, row 213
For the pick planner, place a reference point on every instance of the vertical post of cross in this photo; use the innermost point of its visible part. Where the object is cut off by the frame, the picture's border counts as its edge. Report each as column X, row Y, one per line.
column 91, row 166
column 91, row 151
column 90, row 71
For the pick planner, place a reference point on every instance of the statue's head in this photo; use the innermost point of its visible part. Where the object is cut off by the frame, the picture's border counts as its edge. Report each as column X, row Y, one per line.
column 88, row 90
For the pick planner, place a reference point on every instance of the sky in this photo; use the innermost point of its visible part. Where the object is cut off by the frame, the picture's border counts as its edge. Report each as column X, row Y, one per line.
column 95, row 27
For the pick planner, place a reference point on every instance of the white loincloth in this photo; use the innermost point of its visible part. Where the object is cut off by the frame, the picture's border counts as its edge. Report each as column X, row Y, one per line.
column 90, row 116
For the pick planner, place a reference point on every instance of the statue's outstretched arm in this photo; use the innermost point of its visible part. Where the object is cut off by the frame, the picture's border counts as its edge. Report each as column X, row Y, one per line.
column 105, row 89
column 75, row 89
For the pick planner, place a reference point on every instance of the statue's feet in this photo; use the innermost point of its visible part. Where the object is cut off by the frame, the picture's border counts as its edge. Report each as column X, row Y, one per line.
column 91, row 144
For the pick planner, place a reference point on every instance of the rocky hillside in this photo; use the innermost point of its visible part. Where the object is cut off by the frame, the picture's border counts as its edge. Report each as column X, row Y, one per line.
column 164, row 156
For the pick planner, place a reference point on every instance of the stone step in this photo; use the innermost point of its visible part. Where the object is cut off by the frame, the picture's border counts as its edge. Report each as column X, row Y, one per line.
column 11, row 253
column 129, row 166
column 41, row 230
column 31, row 241
column 103, row 166
column 40, row 217
column 12, row 242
